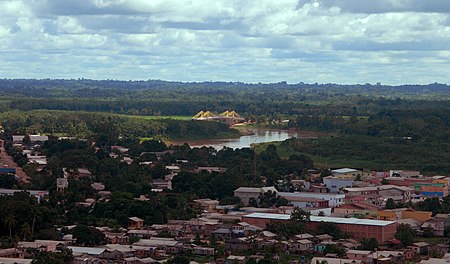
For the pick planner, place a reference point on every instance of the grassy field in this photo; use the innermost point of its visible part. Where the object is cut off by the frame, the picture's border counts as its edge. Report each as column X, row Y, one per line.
column 182, row 118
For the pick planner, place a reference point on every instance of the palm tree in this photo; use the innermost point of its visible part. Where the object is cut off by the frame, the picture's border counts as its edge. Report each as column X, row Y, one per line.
column 25, row 231
column 10, row 222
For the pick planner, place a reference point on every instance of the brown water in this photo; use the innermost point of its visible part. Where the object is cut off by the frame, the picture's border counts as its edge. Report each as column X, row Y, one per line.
column 258, row 135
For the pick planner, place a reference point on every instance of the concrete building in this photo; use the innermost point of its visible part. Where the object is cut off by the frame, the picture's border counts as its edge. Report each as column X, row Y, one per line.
column 333, row 199
column 246, row 193
column 337, row 183
column 36, row 193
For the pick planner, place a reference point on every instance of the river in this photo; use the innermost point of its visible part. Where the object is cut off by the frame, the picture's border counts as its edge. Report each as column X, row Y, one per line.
column 258, row 135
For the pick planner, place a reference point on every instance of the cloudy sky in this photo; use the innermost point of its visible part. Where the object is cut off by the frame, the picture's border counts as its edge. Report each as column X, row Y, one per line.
column 339, row 41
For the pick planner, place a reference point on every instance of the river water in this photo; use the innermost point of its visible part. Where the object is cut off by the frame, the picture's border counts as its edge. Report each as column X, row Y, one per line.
column 258, row 135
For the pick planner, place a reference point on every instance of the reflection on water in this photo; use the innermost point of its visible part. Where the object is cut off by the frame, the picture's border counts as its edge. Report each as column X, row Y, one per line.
column 258, row 136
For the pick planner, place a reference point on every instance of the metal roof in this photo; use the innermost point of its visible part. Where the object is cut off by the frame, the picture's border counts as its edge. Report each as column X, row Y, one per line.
column 87, row 250
column 336, row 220
column 269, row 216
column 344, row 170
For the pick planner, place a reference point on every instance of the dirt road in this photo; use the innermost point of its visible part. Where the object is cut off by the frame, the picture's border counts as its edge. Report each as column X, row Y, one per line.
column 7, row 160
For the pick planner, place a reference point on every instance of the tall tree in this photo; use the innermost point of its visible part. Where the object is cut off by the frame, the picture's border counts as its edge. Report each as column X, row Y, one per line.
column 10, row 222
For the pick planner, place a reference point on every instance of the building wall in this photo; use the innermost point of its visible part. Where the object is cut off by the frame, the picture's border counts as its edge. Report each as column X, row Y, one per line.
column 334, row 200
column 335, row 185
column 386, row 215
column 245, row 196
column 358, row 232
column 421, row 216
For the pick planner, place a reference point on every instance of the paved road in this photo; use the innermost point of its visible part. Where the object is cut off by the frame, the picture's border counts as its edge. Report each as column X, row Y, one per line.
column 7, row 160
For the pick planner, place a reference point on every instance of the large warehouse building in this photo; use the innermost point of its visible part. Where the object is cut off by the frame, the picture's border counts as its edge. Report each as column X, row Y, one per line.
column 357, row 228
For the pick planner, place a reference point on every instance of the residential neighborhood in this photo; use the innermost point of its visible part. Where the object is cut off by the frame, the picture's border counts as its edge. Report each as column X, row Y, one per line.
column 348, row 216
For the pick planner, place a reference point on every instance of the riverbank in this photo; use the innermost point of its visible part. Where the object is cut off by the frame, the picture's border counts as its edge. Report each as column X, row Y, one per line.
column 249, row 137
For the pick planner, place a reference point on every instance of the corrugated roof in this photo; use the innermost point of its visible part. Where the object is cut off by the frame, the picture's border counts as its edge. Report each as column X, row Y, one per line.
column 87, row 250
column 336, row 220
column 344, row 170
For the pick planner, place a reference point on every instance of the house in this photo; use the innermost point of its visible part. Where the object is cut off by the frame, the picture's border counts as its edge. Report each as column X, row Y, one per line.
column 301, row 245
column 135, row 223
column 201, row 251
column 236, row 259
column 169, row 245
column 15, row 261
column 116, row 238
column 210, row 169
column 324, row 238
column 387, row 256
column 36, row 193
column 119, row 149
column 162, row 184
column 141, row 233
column 398, row 193
column 420, row 248
column 315, row 260
column 38, row 139
column 42, row 245
column 11, row 253
column 173, row 168
column 357, row 254
column 207, row 204
column 334, row 199
column 98, row 186
column 319, row 188
column 247, row 193
column 84, row 173
column 356, row 209
column 438, row 249
column 62, row 184
column 307, row 202
column 223, row 234
column 356, row 191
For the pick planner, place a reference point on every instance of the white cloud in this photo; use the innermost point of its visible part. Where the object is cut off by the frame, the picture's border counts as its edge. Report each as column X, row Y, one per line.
column 346, row 41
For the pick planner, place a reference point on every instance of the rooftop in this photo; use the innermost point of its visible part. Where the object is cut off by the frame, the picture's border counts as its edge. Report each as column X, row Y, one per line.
column 344, row 170
column 336, row 220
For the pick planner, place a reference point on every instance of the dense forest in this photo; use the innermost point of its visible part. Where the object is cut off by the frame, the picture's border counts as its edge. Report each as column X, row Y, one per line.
column 374, row 126
column 155, row 97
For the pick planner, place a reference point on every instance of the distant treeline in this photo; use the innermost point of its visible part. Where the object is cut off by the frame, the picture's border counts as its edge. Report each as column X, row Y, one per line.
column 108, row 127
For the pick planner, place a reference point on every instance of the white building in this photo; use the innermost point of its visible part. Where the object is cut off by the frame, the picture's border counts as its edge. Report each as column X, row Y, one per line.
column 334, row 199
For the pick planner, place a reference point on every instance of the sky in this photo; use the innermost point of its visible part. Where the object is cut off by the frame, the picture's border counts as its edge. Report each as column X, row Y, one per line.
column 324, row 41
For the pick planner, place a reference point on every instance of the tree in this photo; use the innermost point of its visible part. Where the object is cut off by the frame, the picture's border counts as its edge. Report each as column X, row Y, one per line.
column 10, row 222
column 299, row 215
column 390, row 204
column 384, row 182
column 7, row 181
column 179, row 260
column 336, row 249
column 252, row 202
column 87, row 236
column 331, row 229
column 405, row 234
column 369, row 244
column 251, row 261
column 61, row 257
column 25, row 231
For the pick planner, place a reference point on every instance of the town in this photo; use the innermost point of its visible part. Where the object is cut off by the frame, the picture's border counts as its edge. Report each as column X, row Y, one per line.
column 114, row 213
